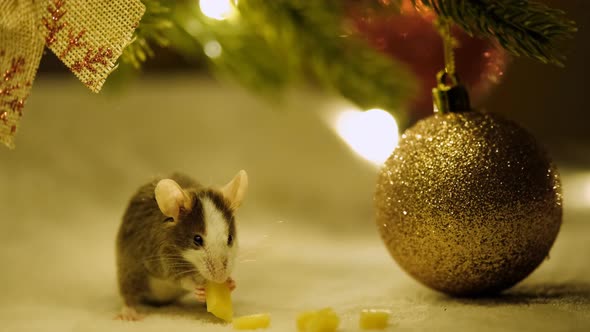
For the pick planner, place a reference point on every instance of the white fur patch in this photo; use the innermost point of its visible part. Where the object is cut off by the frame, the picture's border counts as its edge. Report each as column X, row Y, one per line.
column 215, row 260
column 215, row 225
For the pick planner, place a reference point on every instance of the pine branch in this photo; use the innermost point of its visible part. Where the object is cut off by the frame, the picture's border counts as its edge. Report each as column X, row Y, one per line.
column 387, row 7
column 245, row 56
column 522, row 27
column 308, row 35
column 151, row 30
column 270, row 45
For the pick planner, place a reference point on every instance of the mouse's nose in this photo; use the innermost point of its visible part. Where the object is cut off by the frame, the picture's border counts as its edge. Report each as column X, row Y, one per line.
column 218, row 271
column 219, row 276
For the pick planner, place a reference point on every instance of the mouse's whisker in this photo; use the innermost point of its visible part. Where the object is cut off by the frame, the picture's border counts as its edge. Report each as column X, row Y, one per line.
column 156, row 258
column 164, row 256
column 176, row 260
column 181, row 265
column 185, row 270
column 171, row 261
column 167, row 255
column 247, row 253
column 177, row 275
column 248, row 260
column 168, row 261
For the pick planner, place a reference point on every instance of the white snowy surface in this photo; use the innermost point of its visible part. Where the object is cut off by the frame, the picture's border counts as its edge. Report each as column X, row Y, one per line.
column 306, row 228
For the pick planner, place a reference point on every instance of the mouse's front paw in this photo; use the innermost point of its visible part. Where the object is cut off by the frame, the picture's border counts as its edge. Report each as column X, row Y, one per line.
column 128, row 314
column 201, row 294
column 231, row 283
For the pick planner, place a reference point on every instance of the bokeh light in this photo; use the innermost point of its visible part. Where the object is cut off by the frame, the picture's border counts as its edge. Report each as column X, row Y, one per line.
column 212, row 49
column 372, row 134
column 216, row 9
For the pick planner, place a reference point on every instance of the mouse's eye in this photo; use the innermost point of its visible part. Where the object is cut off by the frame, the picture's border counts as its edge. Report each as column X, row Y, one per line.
column 230, row 240
column 198, row 240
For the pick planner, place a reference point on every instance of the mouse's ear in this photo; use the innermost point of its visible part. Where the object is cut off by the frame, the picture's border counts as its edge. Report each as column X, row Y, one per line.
column 171, row 198
column 235, row 190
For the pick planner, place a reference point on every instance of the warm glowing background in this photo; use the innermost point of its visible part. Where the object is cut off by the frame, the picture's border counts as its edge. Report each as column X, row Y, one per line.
column 307, row 223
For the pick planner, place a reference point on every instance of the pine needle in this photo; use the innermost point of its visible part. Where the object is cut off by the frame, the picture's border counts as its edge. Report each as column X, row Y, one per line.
column 151, row 30
column 522, row 27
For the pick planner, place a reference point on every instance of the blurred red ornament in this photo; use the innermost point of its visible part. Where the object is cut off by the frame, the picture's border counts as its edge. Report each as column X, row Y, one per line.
column 412, row 38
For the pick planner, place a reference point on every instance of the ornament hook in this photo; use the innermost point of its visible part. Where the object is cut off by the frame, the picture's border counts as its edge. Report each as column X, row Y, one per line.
column 449, row 95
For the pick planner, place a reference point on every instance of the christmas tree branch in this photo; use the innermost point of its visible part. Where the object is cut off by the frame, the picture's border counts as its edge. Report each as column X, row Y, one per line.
column 309, row 36
column 522, row 27
column 244, row 55
column 152, row 29
column 269, row 45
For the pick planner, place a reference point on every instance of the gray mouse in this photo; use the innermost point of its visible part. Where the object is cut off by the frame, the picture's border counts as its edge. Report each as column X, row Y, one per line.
column 175, row 235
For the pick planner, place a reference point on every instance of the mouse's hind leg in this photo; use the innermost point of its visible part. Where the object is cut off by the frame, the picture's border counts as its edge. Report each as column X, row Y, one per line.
column 129, row 314
column 129, row 310
column 133, row 288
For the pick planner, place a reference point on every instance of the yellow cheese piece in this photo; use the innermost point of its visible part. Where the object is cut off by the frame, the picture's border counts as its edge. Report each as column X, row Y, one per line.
column 252, row 322
column 218, row 298
column 324, row 320
column 372, row 319
column 303, row 320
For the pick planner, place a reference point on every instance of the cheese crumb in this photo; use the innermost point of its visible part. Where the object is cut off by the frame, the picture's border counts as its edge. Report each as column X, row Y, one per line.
column 324, row 320
column 372, row 319
column 252, row 322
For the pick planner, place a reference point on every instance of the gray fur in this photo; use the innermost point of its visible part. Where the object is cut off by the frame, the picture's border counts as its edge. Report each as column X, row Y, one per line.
column 148, row 246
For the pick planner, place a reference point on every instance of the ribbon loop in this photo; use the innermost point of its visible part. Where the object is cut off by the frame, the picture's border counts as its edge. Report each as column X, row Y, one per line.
column 88, row 36
column 20, row 52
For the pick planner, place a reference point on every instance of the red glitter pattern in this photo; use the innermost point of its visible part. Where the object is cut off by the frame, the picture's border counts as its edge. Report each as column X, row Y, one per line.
column 17, row 105
column 73, row 42
column 15, row 68
column 93, row 58
column 7, row 90
column 52, row 23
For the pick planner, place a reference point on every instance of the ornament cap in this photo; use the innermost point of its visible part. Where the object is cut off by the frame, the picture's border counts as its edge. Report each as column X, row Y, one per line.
column 450, row 95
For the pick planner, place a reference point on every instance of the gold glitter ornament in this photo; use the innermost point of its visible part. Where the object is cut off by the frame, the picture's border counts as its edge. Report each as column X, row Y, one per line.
column 469, row 203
